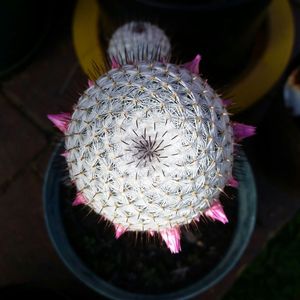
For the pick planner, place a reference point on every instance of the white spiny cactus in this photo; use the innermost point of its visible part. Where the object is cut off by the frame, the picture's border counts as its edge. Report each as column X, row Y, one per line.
column 139, row 41
column 150, row 147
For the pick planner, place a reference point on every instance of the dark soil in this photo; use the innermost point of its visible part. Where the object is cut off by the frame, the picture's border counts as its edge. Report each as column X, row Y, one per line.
column 142, row 264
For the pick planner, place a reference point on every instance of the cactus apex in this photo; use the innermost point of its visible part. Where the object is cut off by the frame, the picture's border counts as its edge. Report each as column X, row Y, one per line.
column 216, row 212
column 119, row 230
column 233, row 182
column 242, row 131
column 90, row 83
column 193, row 65
column 79, row 200
column 61, row 121
column 172, row 239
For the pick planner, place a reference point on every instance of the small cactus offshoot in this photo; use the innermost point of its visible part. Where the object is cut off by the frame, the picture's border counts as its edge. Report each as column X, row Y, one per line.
column 139, row 41
column 150, row 148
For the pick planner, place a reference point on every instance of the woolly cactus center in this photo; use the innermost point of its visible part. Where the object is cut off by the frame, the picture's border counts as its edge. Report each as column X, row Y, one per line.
column 147, row 149
column 150, row 145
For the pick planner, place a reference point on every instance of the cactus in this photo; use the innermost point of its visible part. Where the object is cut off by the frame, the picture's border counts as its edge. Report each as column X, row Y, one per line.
column 150, row 147
column 139, row 41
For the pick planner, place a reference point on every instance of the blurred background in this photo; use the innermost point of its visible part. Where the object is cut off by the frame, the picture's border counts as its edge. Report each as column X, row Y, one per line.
column 250, row 49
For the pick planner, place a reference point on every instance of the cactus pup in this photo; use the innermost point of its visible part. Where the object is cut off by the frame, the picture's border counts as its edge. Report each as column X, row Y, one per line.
column 139, row 41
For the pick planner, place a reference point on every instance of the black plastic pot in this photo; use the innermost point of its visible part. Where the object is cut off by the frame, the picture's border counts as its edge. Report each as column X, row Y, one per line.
column 224, row 32
column 57, row 232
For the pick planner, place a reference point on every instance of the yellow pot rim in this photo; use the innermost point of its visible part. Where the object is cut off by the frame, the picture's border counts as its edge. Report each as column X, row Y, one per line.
column 244, row 92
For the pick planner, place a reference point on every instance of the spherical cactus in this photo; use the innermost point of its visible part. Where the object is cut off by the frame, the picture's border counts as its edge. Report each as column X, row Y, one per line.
column 150, row 147
column 139, row 41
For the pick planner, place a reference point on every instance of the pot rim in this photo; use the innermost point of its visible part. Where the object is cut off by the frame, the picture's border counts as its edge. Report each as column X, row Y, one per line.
column 198, row 7
column 59, row 239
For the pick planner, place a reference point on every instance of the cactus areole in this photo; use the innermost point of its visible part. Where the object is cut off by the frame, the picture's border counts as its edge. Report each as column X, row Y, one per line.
column 150, row 147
